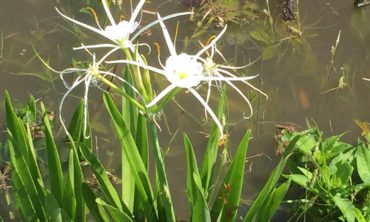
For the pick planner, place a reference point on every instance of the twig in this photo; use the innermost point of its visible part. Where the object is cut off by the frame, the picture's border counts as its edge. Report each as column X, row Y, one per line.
column 361, row 4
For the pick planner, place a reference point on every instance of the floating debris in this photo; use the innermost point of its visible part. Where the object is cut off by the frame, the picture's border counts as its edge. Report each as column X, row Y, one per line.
column 288, row 10
column 361, row 4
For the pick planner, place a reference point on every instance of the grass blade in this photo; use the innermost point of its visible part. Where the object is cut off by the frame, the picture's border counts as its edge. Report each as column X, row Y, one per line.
column 211, row 152
column 116, row 214
column 129, row 114
column 54, row 166
column 164, row 190
column 228, row 197
column 76, row 130
column 192, row 172
column 273, row 201
column 23, row 159
column 53, row 210
column 90, row 200
column 130, row 149
column 22, row 198
column 200, row 211
column 257, row 205
column 69, row 198
column 23, row 142
column 105, row 185
column 143, row 147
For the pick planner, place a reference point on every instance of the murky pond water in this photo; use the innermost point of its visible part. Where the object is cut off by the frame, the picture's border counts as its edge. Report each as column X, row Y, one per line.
column 313, row 74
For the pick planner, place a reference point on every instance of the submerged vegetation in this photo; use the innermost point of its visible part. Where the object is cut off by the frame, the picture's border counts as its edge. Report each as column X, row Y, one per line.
column 51, row 166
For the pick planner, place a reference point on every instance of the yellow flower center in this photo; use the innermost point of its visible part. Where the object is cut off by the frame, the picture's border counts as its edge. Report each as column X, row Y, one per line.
column 183, row 75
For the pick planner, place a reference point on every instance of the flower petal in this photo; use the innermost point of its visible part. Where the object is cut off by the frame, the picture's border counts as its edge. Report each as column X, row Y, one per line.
column 244, row 97
column 142, row 65
column 101, row 32
column 212, row 43
column 142, row 30
column 245, row 82
column 209, row 110
column 74, row 85
column 161, row 95
column 86, row 108
column 136, row 11
column 95, row 46
column 108, row 13
column 167, row 37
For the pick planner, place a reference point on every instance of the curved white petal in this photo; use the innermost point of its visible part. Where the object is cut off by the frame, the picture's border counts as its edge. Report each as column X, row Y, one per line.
column 209, row 110
column 75, row 84
column 144, row 44
column 137, row 11
column 95, row 46
column 244, row 97
column 142, row 30
column 86, row 108
column 167, row 37
column 222, row 78
column 233, row 67
column 106, row 55
column 66, row 83
column 161, row 95
column 99, row 31
column 107, row 11
column 208, row 95
column 142, row 65
column 245, row 82
column 213, row 42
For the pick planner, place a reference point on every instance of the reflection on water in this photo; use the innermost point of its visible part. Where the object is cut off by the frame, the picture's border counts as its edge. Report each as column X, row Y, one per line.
column 302, row 74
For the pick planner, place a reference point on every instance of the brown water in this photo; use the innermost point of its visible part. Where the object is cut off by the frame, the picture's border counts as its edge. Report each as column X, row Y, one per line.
column 300, row 79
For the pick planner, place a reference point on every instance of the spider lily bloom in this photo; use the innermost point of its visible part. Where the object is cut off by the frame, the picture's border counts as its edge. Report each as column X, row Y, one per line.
column 120, row 33
column 213, row 69
column 91, row 75
column 185, row 71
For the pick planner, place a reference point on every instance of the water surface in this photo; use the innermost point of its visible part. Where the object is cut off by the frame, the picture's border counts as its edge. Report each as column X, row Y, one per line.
column 301, row 78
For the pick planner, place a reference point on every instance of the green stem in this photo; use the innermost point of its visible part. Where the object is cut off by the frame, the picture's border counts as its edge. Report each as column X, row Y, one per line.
column 165, row 203
column 164, row 101
column 137, row 75
column 119, row 90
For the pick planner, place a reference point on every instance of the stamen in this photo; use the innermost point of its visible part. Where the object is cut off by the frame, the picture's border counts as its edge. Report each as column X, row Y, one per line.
column 158, row 47
column 210, row 39
column 96, row 18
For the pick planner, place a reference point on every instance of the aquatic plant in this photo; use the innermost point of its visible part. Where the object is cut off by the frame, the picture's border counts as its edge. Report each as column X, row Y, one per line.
column 65, row 195
column 333, row 175
column 190, row 71
column 119, row 33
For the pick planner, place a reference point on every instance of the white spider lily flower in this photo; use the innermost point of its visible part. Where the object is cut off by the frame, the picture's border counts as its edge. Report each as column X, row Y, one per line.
column 120, row 33
column 91, row 75
column 213, row 69
column 189, row 72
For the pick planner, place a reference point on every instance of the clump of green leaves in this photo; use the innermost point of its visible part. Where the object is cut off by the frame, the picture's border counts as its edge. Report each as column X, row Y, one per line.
column 56, row 197
column 334, row 175
column 46, row 192
column 222, row 12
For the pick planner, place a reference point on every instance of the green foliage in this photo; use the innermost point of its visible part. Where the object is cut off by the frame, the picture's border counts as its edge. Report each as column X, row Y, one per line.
column 333, row 174
column 270, row 197
column 35, row 200
column 68, row 192
column 228, row 197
